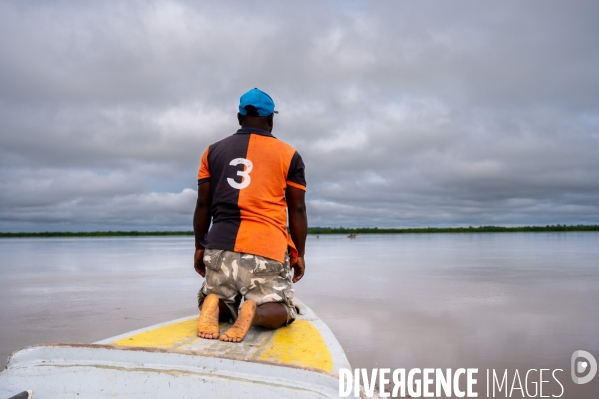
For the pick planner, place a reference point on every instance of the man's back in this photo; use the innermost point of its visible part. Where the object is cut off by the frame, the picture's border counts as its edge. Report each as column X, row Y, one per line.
column 249, row 173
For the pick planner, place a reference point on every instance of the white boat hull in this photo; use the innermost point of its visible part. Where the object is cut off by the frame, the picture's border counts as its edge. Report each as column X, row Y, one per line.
column 168, row 360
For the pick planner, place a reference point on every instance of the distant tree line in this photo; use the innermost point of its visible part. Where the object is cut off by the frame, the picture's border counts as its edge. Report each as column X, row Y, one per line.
column 325, row 230
column 480, row 229
column 98, row 234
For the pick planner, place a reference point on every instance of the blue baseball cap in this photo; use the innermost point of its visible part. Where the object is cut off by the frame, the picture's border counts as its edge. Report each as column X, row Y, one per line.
column 256, row 103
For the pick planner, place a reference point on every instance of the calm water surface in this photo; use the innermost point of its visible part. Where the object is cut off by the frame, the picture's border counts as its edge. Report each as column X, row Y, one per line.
column 501, row 301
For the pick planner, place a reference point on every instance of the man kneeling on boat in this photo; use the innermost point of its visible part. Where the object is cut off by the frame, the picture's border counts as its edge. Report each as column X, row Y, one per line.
column 248, row 184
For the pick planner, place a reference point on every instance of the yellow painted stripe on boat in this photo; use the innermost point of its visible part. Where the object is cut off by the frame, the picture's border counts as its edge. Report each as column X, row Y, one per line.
column 299, row 344
column 188, row 342
column 169, row 336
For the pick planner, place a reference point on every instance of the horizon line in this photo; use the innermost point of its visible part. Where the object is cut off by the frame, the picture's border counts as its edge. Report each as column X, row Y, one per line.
column 322, row 230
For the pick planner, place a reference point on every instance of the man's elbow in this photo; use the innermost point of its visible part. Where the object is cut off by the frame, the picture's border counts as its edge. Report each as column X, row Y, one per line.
column 298, row 211
column 196, row 219
column 201, row 205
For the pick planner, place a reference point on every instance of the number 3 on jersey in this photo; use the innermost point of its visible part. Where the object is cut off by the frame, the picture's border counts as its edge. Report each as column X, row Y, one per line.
column 245, row 174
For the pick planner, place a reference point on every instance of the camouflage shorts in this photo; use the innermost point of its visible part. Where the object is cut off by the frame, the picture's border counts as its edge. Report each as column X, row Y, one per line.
column 233, row 275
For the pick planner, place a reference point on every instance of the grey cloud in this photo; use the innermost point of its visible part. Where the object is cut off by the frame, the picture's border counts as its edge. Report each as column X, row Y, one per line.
column 147, row 211
column 111, row 136
column 405, row 114
column 38, row 187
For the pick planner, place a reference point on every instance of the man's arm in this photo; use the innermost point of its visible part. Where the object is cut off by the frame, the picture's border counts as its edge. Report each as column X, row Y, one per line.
column 298, row 227
column 201, row 223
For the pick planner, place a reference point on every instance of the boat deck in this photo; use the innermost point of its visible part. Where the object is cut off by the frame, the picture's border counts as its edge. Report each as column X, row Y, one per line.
column 307, row 342
column 301, row 360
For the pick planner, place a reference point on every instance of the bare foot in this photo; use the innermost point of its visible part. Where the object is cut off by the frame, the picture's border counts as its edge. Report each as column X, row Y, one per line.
column 244, row 321
column 208, row 323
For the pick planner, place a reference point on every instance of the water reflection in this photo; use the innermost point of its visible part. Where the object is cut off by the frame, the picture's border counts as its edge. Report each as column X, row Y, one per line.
column 502, row 301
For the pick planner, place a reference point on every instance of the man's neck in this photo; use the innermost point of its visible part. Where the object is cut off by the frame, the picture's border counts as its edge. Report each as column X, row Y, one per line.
column 249, row 130
column 261, row 126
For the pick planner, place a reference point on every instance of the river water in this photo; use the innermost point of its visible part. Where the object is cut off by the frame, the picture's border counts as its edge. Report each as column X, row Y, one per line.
column 515, row 301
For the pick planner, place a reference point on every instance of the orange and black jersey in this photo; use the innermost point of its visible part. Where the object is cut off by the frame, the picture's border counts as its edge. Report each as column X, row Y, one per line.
column 249, row 172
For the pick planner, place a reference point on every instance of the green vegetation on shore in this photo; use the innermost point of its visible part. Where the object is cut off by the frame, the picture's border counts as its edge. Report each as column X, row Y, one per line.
column 98, row 234
column 480, row 229
column 325, row 230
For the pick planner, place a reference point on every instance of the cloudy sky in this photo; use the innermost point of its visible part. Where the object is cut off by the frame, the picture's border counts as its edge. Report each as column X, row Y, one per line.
column 406, row 113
